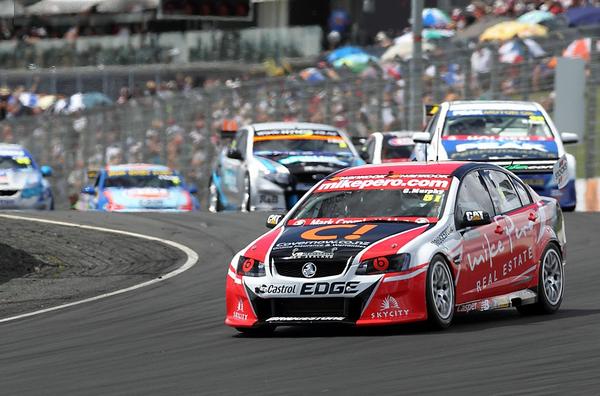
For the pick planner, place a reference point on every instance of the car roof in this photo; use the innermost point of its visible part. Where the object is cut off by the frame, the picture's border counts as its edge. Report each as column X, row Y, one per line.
column 11, row 147
column 266, row 126
column 398, row 133
column 125, row 167
column 493, row 105
column 439, row 168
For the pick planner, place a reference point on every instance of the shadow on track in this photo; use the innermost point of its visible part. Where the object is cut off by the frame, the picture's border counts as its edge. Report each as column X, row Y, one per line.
column 16, row 263
column 462, row 324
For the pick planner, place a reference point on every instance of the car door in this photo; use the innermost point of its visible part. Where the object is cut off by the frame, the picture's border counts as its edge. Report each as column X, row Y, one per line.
column 480, row 246
column 233, row 168
column 520, row 216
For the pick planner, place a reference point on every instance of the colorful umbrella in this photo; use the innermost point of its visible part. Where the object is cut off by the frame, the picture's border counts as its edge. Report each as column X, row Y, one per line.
column 536, row 16
column 434, row 17
column 579, row 16
column 436, row 34
column 403, row 48
column 355, row 62
column 343, row 52
column 577, row 49
column 511, row 29
column 312, row 75
column 515, row 51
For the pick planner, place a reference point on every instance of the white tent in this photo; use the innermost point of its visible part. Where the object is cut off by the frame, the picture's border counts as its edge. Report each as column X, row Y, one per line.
column 57, row 7
column 10, row 8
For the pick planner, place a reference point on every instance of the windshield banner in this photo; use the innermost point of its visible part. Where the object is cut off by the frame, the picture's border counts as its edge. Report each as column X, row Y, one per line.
column 408, row 183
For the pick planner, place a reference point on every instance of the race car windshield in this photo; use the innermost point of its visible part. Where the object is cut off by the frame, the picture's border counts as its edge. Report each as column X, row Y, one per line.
column 394, row 147
column 14, row 162
column 378, row 197
column 143, row 181
column 520, row 125
column 301, row 143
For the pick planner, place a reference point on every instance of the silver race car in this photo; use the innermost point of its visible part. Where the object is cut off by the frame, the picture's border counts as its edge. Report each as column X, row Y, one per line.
column 271, row 166
column 23, row 184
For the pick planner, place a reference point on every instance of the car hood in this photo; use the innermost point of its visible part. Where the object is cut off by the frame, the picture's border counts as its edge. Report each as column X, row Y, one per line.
column 339, row 242
column 147, row 198
column 17, row 179
column 501, row 149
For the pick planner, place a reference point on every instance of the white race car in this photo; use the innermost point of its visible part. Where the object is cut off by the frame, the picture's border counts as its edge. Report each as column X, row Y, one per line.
column 23, row 185
column 271, row 166
column 383, row 147
column 519, row 136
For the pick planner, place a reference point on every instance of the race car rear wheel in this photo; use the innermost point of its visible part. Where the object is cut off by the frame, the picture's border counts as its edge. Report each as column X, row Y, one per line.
column 440, row 294
column 256, row 331
column 551, row 284
column 214, row 203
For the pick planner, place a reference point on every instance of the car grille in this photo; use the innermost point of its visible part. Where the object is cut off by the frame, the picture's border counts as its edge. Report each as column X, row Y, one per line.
column 348, row 307
column 293, row 268
column 8, row 193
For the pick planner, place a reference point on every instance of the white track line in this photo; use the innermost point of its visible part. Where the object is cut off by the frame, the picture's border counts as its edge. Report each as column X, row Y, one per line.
column 192, row 259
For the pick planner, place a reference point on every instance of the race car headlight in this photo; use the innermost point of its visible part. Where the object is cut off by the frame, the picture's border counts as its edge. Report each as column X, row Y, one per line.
column 275, row 177
column 384, row 264
column 250, row 267
column 32, row 191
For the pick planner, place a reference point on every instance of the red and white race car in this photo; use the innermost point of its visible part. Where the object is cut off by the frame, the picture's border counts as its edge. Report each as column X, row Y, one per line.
column 404, row 242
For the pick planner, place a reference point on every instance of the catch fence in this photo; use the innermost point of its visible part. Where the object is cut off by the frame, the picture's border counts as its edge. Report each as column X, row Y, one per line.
column 182, row 131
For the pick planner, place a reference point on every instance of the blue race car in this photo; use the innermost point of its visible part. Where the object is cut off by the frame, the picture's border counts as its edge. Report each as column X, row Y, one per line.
column 136, row 188
column 23, row 184
column 519, row 136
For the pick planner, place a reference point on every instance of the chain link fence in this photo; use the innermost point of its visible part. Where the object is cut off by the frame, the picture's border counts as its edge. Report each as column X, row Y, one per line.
column 182, row 131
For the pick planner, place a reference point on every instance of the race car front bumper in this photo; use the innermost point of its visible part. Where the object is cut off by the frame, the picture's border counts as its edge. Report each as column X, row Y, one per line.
column 379, row 300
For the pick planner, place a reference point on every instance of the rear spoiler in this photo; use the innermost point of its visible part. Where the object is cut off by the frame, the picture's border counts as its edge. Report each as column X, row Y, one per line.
column 527, row 166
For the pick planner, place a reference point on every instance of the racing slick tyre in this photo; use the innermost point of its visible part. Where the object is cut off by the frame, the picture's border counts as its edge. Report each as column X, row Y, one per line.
column 439, row 294
column 214, row 203
column 261, row 331
column 245, row 207
column 551, row 284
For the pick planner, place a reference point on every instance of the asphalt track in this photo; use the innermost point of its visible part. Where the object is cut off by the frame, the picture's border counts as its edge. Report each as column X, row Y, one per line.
column 169, row 338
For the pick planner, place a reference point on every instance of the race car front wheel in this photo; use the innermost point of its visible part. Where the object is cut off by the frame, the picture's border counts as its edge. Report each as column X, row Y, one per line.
column 551, row 284
column 440, row 294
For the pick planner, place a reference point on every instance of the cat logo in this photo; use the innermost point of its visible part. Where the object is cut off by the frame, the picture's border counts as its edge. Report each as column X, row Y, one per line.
column 474, row 215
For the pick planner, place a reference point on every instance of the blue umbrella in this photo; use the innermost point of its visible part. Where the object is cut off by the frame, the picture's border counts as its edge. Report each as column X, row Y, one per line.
column 355, row 62
column 343, row 52
column 434, row 17
column 536, row 16
column 579, row 16
column 94, row 99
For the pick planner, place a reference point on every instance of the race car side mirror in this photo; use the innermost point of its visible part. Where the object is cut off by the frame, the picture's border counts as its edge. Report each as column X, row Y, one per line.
column 474, row 218
column 274, row 219
column 421, row 137
column 569, row 138
column 89, row 190
column 234, row 154
column 364, row 155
